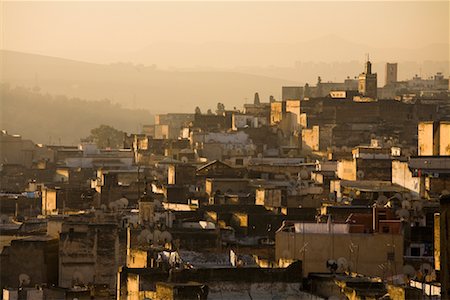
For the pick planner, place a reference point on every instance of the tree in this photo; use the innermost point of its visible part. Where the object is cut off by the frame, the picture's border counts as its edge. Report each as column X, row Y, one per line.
column 198, row 111
column 106, row 136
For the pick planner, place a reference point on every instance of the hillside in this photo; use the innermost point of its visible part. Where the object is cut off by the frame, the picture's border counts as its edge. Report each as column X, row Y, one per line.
column 45, row 118
column 136, row 86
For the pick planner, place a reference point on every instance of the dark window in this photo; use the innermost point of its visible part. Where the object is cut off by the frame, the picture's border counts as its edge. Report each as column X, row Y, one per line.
column 391, row 256
column 415, row 251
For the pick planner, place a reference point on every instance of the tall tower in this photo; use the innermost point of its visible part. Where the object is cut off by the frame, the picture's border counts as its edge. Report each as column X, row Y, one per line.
column 367, row 81
column 391, row 73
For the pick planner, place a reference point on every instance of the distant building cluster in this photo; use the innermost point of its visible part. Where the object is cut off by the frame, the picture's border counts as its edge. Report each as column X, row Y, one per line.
column 335, row 191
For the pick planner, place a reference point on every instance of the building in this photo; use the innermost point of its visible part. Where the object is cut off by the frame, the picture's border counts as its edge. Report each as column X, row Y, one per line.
column 434, row 138
column 291, row 93
column 367, row 85
column 88, row 254
column 373, row 254
column 29, row 261
column 444, row 238
column 368, row 163
column 391, row 73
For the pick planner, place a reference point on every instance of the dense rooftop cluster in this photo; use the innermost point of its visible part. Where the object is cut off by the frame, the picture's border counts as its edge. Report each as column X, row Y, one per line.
column 335, row 190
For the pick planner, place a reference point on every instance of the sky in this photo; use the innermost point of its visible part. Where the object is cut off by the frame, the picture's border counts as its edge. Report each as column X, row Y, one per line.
column 213, row 33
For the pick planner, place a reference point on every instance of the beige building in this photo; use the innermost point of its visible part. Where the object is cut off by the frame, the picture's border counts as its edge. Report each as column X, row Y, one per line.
column 88, row 254
column 434, row 138
column 15, row 150
column 276, row 112
column 368, row 163
column 310, row 138
column 371, row 254
column 403, row 176
column 293, row 106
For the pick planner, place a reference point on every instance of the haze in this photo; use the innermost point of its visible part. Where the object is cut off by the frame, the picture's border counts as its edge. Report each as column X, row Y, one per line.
column 226, row 34
column 187, row 54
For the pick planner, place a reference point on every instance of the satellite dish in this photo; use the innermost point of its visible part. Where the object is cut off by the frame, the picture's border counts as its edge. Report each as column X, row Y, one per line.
column 123, row 201
column 4, row 219
column 304, row 174
column 342, row 264
column 166, row 237
column 145, row 237
column 113, row 206
column 184, row 159
column 382, row 201
column 445, row 192
column 24, row 279
column 403, row 214
column 417, row 205
column 103, row 207
column 409, row 271
column 406, row 204
column 332, row 265
column 360, row 174
column 157, row 236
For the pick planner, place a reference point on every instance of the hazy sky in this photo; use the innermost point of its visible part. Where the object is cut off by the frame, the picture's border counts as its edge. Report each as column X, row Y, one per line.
column 108, row 32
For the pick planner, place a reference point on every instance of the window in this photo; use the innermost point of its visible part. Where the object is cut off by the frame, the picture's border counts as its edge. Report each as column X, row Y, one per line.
column 391, row 256
column 415, row 251
column 239, row 161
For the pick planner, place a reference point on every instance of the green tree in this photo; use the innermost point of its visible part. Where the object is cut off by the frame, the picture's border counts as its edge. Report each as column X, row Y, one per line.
column 106, row 136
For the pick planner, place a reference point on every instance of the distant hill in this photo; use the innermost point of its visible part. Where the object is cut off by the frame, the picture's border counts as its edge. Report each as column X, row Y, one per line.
column 136, row 86
column 49, row 119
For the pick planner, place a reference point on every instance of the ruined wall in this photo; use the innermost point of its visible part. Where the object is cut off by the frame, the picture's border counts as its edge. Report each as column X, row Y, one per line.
column 89, row 253
column 346, row 169
column 310, row 138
